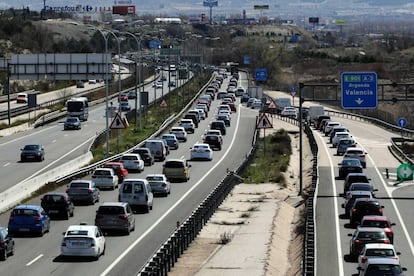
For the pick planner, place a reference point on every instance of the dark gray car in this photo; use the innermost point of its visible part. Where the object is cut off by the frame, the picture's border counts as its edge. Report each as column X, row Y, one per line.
column 72, row 123
column 32, row 152
column 115, row 216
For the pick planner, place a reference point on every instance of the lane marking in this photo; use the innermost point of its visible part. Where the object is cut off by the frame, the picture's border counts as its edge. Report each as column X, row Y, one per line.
column 34, row 260
column 339, row 251
column 156, row 223
column 5, row 165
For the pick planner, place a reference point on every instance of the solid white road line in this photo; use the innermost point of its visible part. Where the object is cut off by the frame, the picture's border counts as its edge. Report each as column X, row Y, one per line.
column 34, row 260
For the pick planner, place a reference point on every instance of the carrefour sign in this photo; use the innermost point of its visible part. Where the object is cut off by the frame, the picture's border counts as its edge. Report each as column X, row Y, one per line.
column 77, row 8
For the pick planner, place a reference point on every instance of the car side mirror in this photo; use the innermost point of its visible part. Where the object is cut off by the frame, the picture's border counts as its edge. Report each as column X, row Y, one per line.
column 343, row 205
column 398, row 253
column 382, row 206
column 393, row 224
column 349, row 235
column 375, row 190
column 404, row 269
column 63, row 233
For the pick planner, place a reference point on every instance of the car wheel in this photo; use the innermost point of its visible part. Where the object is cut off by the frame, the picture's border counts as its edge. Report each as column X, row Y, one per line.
column 128, row 231
column 3, row 256
column 72, row 213
column 67, row 215
column 133, row 227
column 12, row 250
column 147, row 209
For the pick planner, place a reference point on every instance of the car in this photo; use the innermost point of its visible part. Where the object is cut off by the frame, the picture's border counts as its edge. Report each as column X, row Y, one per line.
column 329, row 127
column 224, row 112
column 288, row 111
column 80, row 84
column 219, row 125
column 364, row 235
column 176, row 169
column 159, row 184
column 343, row 144
column 124, row 106
column 250, row 102
column 32, row 152
column 115, row 216
column 22, row 98
column 163, row 78
column 363, row 207
column 145, row 154
column 138, row 193
column 322, row 124
column 221, row 94
column 57, row 204
column 72, row 123
column 83, row 241
column 336, row 129
column 244, row 98
column 357, row 153
column 319, row 119
column 357, row 186
column 92, row 81
column 203, row 107
column 213, row 140
column 172, row 83
column 105, row 178
column 339, row 135
column 381, row 222
column 81, row 190
column 194, row 117
column 180, row 133
column 256, row 104
column 118, row 168
column 225, row 118
column 123, row 97
column 171, row 139
column 158, row 148
column 28, row 219
column 382, row 266
column 132, row 162
column 201, row 151
column 6, row 244
column 350, row 198
column 240, row 91
column 157, row 84
column 132, row 94
column 188, row 125
column 224, row 107
column 349, row 165
column 376, row 250
column 201, row 113
column 352, row 178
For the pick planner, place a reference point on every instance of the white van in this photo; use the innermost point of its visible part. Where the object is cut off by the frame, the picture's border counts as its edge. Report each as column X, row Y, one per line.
column 158, row 148
column 136, row 192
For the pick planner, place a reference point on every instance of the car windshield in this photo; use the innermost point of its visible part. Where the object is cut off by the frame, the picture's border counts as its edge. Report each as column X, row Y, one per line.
column 31, row 147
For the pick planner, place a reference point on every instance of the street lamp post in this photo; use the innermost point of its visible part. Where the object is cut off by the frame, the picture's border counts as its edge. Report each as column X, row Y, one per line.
column 138, row 95
column 105, row 37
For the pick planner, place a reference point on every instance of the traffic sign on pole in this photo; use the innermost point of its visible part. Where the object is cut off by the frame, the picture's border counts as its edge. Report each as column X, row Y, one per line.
column 261, row 74
column 359, row 90
column 402, row 122
column 264, row 122
column 118, row 122
column 405, row 172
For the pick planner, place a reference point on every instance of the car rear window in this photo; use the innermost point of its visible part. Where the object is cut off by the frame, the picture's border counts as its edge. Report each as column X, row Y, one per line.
column 79, row 185
column 111, row 210
column 77, row 233
column 129, row 157
column 155, row 178
column 24, row 212
column 102, row 172
column 374, row 223
column 54, row 198
column 371, row 235
column 379, row 252
column 174, row 164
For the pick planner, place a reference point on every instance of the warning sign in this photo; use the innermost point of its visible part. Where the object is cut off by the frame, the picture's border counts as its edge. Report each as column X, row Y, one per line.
column 117, row 122
column 263, row 122
column 163, row 103
column 272, row 105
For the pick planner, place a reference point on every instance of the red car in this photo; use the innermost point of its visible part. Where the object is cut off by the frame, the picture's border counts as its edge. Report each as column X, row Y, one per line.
column 118, row 168
column 123, row 97
column 381, row 222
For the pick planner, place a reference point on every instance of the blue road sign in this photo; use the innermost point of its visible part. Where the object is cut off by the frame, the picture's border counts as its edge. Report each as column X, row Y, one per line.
column 402, row 122
column 359, row 90
column 261, row 74
column 155, row 44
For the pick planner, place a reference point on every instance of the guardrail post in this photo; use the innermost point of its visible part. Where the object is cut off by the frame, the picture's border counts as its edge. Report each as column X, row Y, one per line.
column 167, row 258
column 154, row 266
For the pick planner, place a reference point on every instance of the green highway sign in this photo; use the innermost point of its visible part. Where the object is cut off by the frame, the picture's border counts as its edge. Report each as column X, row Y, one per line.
column 405, row 172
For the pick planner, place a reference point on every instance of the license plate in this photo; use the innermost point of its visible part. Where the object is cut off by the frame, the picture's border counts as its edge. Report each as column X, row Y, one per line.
column 53, row 211
column 24, row 229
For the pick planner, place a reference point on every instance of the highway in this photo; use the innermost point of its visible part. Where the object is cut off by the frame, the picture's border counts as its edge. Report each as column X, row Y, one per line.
column 126, row 254
column 332, row 227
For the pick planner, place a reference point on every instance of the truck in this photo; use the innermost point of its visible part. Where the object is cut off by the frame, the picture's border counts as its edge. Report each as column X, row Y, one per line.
column 282, row 103
column 313, row 113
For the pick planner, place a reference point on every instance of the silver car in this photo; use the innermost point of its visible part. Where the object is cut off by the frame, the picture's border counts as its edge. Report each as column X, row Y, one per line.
column 115, row 216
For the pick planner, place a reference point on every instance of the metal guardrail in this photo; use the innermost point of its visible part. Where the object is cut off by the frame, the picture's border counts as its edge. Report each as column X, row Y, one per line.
column 396, row 149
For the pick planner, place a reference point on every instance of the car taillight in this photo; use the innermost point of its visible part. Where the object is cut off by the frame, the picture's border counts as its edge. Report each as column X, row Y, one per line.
column 387, row 241
column 363, row 259
column 90, row 191
column 67, row 191
column 63, row 243
column 357, row 241
column 65, row 199
column 380, row 211
column 354, row 210
column 11, row 217
column 93, row 176
column 157, row 152
column 124, row 217
column 396, row 258
column 37, row 217
column 146, row 198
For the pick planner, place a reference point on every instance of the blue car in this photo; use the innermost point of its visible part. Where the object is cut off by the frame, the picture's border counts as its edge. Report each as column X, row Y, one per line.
column 28, row 219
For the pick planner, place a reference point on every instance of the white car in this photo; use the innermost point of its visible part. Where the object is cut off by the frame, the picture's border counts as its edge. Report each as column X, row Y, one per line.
column 357, row 153
column 157, row 84
column 188, row 125
column 329, row 127
column 376, row 250
column 105, row 178
column 338, row 136
column 202, row 113
column 288, row 111
column 201, row 151
column 180, row 133
column 133, row 162
column 83, row 240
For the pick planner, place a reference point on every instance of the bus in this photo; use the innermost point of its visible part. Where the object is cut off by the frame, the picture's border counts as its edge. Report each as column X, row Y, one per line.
column 78, row 107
